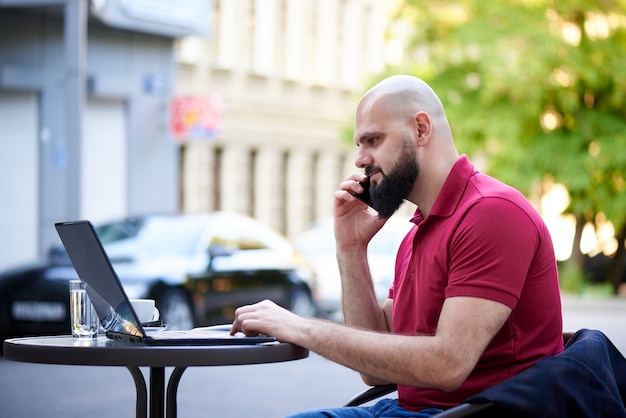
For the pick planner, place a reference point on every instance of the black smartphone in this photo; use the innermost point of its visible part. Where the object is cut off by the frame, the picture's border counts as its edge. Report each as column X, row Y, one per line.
column 365, row 196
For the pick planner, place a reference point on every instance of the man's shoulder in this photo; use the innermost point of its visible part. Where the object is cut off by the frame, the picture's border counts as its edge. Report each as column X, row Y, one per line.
column 485, row 187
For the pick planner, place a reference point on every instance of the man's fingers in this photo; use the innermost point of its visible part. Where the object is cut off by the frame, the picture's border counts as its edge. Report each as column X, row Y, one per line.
column 248, row 318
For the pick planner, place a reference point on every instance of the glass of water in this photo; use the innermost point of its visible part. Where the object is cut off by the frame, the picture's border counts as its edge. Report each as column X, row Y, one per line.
column 83, row 317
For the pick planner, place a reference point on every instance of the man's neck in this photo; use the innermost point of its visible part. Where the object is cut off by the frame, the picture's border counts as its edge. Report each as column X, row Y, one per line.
column 429, row 184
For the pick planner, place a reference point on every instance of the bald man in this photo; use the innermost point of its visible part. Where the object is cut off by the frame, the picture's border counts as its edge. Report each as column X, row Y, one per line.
column 475, row 298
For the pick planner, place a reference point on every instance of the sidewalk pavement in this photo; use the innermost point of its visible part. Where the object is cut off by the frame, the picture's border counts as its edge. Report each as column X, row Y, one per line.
column 606, row 314
column 570, row 301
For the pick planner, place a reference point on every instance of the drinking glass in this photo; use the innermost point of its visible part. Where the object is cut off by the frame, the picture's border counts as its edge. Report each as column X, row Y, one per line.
column 83, row 317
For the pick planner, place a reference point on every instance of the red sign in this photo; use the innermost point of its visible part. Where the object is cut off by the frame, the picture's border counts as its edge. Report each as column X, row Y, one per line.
column 196, row 117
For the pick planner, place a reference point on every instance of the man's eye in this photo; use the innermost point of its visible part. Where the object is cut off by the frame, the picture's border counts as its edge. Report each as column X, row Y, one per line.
column 372, row 141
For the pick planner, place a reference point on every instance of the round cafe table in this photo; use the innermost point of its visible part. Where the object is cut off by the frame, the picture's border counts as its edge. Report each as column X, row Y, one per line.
column 102, row 351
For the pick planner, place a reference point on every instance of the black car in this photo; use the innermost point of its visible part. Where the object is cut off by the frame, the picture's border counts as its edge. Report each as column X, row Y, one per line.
column 198, row 268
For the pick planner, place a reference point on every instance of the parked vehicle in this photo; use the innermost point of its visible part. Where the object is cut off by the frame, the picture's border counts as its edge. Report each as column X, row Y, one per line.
column 318, row 246
column 198, row 268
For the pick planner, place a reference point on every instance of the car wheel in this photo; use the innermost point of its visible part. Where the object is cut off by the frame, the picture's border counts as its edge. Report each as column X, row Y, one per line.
column 176, row 310
column 302, row 304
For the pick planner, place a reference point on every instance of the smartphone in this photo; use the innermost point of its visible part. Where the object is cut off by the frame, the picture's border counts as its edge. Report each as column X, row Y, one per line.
column 365, row 196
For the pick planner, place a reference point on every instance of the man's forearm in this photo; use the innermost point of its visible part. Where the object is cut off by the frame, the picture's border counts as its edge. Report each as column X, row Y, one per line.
column 361, row 308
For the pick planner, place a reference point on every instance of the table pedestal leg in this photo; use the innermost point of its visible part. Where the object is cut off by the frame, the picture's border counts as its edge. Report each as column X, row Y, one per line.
column 172, row 389
column 157, row 390
column 141, row 406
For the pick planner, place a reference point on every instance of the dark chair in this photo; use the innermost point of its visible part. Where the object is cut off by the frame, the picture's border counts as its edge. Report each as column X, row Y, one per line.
column 588, row 379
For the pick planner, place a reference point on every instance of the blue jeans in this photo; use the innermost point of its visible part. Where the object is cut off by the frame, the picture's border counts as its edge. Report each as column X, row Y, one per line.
column 385, row 408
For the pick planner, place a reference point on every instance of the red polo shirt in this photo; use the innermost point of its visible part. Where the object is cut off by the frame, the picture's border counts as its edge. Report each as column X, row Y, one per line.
column 482, row 238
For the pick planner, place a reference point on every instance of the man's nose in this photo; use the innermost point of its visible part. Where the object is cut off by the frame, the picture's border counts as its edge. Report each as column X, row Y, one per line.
column 362, row 159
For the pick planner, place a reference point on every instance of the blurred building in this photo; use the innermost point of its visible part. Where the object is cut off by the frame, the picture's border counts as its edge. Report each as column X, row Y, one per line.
column 111, row 108
column 85, row 88
column 275, row 83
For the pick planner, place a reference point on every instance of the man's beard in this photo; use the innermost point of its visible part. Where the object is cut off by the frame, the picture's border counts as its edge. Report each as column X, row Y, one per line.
column 389, row 194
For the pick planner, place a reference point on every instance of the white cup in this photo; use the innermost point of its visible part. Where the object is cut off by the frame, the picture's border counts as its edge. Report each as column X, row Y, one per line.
column 145, row 309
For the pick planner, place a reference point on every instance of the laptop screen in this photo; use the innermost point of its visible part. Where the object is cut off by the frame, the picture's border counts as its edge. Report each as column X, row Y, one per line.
column 101, row 283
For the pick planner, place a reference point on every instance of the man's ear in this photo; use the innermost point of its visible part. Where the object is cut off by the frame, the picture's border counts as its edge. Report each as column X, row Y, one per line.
column 423, row 127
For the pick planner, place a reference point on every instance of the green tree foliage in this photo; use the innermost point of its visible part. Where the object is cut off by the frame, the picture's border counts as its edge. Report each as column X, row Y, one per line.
column 536, row 87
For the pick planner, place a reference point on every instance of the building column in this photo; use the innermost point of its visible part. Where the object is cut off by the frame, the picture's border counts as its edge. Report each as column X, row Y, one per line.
column 327, row 27
column 269, row 186
column 235, row 187
column 300, row 183
column 352, row 49
column 293, row 40
column 329, row 175
column 198, row 185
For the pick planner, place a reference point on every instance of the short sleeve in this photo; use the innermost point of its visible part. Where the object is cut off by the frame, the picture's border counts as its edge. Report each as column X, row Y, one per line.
column 492, row 251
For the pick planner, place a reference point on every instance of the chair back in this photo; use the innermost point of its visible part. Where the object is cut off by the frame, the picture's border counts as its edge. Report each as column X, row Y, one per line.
column 588, row 379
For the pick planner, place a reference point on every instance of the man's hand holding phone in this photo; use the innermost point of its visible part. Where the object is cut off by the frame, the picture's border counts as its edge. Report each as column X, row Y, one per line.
column 365, row 195
column 354, row 226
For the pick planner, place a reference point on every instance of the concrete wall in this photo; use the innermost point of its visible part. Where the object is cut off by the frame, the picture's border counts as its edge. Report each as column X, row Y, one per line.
column 124, row 161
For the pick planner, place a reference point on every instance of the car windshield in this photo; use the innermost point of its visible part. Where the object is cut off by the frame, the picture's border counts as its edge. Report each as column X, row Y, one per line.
column 120, row 230
column 159, row 236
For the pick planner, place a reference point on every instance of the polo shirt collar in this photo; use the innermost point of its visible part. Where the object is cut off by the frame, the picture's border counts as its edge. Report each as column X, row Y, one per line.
column 451, row 192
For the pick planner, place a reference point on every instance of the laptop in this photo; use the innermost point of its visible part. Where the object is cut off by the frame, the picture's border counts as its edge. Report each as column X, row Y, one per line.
column 116, row 313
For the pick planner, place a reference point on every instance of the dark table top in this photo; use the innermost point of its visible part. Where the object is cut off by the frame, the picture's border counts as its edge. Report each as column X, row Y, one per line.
column 102, row 351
